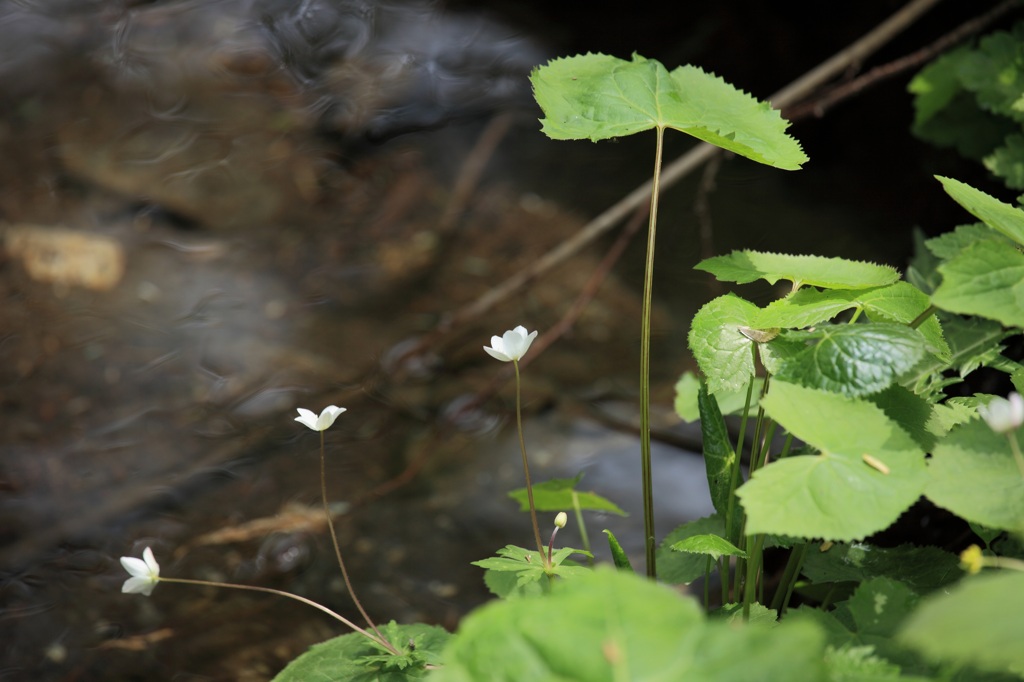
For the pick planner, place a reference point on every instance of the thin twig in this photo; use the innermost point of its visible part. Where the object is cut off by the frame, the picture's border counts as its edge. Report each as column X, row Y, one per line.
column 818, row 106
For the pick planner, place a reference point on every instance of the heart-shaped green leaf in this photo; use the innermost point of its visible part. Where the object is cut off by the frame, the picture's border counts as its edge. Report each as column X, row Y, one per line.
column 869, row 470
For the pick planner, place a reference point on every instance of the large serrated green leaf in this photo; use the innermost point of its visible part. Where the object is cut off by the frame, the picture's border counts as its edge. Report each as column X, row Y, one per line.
column 973, row 473
column 345, row 658
column 979, row 622
column 869, row 470
column 611, row 626
column 1001, row 217
column 724, row 354
column 900, row 302
column 851, row 359
column 597, row 96
column 922, row 569
column 985, row 279
column 744, row 267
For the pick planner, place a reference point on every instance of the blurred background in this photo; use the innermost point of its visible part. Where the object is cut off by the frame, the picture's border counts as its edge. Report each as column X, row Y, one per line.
column 213, row 212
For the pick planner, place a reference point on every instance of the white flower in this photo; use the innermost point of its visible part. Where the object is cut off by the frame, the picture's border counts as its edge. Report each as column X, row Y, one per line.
column 145, row 574
column 512, row 345
column 1004, row 415
column 321, row 423
column 560, row 519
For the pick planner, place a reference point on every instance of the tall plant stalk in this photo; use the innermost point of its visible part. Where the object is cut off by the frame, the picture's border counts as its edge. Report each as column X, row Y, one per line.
column 341, row 562
column 645, row 368
column 526, row 467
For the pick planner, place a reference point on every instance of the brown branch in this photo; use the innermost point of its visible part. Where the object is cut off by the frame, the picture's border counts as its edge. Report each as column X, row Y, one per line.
column 817, row 107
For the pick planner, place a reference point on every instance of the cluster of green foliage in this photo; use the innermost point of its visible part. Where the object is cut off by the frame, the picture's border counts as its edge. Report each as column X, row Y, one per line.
column 841, row 383
column 972, row 98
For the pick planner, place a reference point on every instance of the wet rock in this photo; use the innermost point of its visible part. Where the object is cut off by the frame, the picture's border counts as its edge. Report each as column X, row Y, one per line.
column 216, row 111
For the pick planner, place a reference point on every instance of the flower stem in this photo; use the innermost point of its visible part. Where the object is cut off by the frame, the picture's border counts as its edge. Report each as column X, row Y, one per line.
column 645, row 368
column 582, row 524
column 308, row 602
column 526, row 464
column 337, row 552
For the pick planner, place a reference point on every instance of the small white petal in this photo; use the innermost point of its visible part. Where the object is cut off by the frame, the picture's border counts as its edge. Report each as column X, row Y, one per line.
column 306, row 418
column 135, row 567
column 1003, row 415
column 327, row 417
column 497, row 354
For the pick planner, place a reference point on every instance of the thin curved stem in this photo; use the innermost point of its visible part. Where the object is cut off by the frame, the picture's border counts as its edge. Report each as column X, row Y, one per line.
column 645, row 368
column 526, row 464
column 337, row 552
column 308, row 602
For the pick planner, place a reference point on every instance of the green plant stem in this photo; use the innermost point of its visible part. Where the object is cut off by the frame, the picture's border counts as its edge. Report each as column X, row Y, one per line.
column 645, row 367
column 765, row 446
column 526, row 467
column 753, row 566
column 337, row 550
column 707, row 583
column 582, row 524
column 723, row 575
column 919, row 320
column 380, row 641
column 789, row 577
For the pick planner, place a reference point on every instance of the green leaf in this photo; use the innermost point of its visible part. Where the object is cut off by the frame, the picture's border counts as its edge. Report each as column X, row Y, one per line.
column 973, row 473
column 869, row 470
column 709, row 545
column 596, row 97
column 900, row 302
column 979, row 622
column 936, row 85
column 759, row 614
column 719, row 458
column 949, row 244
column 744, row 267
column 506, row 585
column 678, row 568
column 859, row 664
column 922, row 569
column 557, row 495
column 528, row 565
column 729, row 402
column 1004, row 218
column 851, row 359
column 353, row 658
column 879, row 605
column 619, row 556
column 1007, row 162
column 924, row 421
column 724, row 354
column 615, row 626
column 986, row 279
